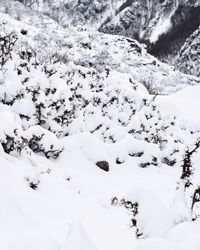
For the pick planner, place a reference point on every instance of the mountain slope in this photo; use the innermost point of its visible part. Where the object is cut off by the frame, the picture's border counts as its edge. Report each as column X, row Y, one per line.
column 188, row 60
column 50, row 41
column 89, row 158
column 151, row 22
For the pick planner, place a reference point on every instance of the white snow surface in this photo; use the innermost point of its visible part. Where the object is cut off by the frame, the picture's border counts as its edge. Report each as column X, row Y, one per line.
column 71, row 209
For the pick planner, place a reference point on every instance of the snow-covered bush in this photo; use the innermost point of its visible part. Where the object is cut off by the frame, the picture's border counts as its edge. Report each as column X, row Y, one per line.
column 149, row 216
column 66, row 99
column 41, row 140
column 7, row 41
column 189, row 181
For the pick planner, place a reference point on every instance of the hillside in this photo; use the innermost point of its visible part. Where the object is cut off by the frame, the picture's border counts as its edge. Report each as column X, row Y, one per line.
column 163, row 26
column 99, row 139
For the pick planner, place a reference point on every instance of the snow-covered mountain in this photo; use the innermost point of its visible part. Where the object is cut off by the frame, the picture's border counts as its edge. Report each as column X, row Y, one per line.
column 188, row 60
column 99, row 140
column 163, row 25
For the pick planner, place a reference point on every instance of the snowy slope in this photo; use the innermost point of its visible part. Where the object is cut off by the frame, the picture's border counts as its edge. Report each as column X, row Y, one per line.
column 89, row 159
column 51, row 42
column 71, row 207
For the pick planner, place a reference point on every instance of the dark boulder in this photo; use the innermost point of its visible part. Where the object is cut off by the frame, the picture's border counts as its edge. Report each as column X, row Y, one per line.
column 104, row 165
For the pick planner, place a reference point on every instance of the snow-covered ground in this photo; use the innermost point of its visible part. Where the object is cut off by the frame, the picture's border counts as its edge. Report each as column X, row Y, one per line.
column 186, row 103
column 73, row 102
column 71, row 206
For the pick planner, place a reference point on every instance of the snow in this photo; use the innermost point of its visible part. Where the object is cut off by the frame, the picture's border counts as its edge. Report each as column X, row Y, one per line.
column 156, row 244
column 72, row 206
column 187, row 109
column 164, row 23
column 162, row 27
column 58, row 119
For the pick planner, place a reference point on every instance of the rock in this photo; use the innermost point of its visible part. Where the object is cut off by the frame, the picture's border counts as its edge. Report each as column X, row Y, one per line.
column 104, row 165
column 189, row 58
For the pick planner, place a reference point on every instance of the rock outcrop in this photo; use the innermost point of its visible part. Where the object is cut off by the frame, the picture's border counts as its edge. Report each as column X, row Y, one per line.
column 189, row 58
